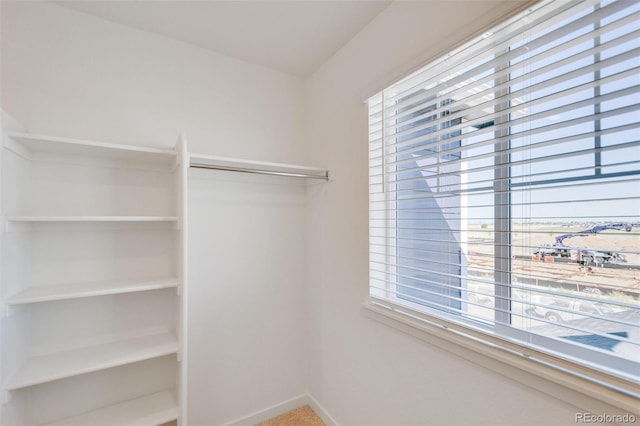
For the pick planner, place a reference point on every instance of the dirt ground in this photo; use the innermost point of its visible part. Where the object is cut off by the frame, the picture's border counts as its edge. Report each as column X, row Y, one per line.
column 526, row 239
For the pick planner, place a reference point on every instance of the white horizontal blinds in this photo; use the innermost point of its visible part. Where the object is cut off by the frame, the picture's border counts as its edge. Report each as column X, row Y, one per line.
column 505, row 182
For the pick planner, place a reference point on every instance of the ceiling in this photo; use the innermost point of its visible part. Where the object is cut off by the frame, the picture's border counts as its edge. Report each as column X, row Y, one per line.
column 294, row 37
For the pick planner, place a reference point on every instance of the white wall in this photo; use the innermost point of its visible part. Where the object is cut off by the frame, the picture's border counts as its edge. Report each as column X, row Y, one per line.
column 247, row 296
column 69, row 74
column 65, row 73
column 363, row 372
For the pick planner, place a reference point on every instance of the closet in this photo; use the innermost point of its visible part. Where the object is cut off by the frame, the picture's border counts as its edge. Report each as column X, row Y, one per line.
column 93, row 290
column 93, row 282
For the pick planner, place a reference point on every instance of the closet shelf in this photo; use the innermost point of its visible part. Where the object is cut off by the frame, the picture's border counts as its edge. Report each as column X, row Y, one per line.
column 59, row 365
column 150, row 410
column 26, row 145
column 53, row 292
column 203, row 161
column 92, row 218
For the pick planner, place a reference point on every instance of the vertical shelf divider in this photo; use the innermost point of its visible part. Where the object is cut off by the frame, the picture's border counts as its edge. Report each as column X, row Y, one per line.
column 182, row 199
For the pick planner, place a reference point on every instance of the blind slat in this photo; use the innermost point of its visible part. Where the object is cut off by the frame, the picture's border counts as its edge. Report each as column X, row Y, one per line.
column 505, row 185
column 510, row 54
column 400, row 109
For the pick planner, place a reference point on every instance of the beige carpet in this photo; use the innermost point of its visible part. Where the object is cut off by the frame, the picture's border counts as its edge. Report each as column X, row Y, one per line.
column 303, row 416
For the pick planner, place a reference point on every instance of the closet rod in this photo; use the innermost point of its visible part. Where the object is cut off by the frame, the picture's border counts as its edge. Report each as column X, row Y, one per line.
column 324, row 176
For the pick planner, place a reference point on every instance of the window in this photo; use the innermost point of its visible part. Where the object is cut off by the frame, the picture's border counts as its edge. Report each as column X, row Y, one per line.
column 505, row 189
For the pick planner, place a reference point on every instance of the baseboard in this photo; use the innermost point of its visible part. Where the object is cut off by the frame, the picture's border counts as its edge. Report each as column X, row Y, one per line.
column 270, row 412
column 284, row 407
column 321, row 412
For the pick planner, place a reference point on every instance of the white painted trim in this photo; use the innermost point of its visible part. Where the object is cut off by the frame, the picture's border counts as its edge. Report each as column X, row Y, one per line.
column 321, row 412
column 270, row 412
column 182, row 158
column 577, row 391
column 7, row 124
column 284, row 407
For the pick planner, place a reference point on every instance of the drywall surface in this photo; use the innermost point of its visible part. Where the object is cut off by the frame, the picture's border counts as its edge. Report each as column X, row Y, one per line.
column 247, row 298
column 364, row 372
column 70, row 74
column 65, row 73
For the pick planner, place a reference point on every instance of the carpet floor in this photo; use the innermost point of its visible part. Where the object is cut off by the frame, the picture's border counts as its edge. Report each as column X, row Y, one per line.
column 303, row 416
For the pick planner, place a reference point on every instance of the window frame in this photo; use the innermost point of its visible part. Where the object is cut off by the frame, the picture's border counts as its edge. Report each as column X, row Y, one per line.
column 557, row 361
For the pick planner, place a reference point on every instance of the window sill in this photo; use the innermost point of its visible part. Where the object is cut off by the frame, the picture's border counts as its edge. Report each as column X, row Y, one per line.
column 515, row 364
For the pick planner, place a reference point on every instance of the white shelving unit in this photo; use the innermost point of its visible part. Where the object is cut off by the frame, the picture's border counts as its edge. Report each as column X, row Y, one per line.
column 66, row 291
column 55, row 366
column 93, row 282
column 155, row 409
column 31, row 146
column 92, row 218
